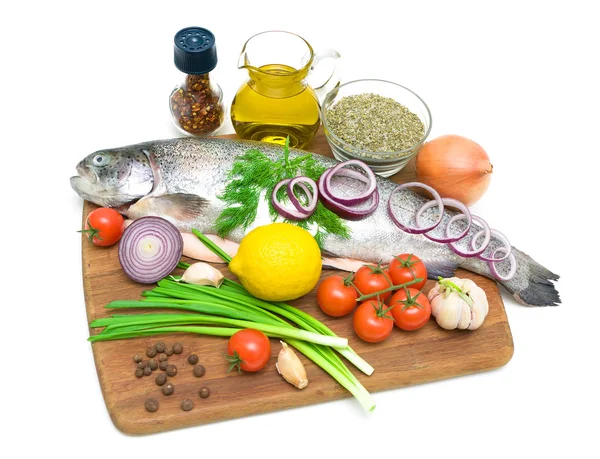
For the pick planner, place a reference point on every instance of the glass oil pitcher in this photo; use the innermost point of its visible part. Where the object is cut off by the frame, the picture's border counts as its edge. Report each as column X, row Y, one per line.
column 277, row 100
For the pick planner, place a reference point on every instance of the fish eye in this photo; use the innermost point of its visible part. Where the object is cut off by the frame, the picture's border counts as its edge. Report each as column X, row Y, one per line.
column 100, row 160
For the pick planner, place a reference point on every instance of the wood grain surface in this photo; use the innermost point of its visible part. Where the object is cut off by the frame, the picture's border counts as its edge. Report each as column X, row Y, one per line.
column 406, row 358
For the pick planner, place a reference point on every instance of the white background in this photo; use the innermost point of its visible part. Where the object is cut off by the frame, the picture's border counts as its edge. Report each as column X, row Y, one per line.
column 521, row 78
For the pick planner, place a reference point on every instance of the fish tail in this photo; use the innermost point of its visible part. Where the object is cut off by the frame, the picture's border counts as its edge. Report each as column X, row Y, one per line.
column 538, row 288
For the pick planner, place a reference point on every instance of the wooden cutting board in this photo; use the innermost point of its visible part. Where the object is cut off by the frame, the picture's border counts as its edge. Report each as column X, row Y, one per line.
column 404, row 359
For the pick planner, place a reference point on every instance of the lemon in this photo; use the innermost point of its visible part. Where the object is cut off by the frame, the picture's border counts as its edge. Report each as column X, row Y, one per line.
column 277, row 262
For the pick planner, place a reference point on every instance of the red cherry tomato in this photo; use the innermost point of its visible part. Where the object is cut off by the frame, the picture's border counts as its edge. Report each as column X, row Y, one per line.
column 336, row 296
column 411, row 309
column 373, row 321
column 407, row 267
column 371, row 279
column 248, row 350
column 104, row 226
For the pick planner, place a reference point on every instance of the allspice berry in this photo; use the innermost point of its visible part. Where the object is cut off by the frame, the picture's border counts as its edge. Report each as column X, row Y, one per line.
column 153, row 364
column 168, row 389
column 151, row 351
column 187, row 405
column 204, row 392
column 151, row 405
column 177, row 348
column 199, row 370
column 160, row 346
column 163, row 365
column 171, row 370
column 139, row 372
column 160, row 379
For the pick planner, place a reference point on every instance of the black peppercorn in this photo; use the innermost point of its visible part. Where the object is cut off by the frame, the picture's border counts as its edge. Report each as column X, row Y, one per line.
column 192, row 359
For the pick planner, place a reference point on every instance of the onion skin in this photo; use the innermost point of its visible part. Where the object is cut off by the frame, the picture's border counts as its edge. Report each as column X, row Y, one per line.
column 456, row 167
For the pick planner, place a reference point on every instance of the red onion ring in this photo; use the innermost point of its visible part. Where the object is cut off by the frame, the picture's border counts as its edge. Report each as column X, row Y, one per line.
column 410, row 229
column 312, row 196
column 498, row 235
column 474, row 252
column 347, row 212
column 150, row 249
column 290, row 214
column 451, row 203
column 369, row 179
column 513, row 265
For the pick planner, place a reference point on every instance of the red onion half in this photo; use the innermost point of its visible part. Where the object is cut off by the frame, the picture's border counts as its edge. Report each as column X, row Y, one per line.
column 150, row 249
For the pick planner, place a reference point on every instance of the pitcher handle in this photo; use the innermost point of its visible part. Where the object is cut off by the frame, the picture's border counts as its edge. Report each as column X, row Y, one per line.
column 332, row 80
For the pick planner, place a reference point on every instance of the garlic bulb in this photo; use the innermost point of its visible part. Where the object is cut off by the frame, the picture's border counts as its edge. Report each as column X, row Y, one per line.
column 458, row 303
column 290, row 367
column 202, row 274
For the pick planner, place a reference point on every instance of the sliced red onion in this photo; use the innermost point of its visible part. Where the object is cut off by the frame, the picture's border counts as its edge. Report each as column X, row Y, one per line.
column 481, row 248
column 450, row 203
column 347, row 212
column 311, row 196
column 150, row 249
column 511, row 259
column 369, row 179
column 290, row 214
column 419, row 229
column 498, row 235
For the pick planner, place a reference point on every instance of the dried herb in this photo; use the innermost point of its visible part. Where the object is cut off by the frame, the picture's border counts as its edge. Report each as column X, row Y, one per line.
column 375, row 123
column 196, row 106
column 253, row 175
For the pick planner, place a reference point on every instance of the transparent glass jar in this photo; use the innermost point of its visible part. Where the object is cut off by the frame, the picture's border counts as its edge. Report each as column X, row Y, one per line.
column 196, row 104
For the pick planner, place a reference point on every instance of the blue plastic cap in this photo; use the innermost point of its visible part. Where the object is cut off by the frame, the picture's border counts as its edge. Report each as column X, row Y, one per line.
column 195, row 50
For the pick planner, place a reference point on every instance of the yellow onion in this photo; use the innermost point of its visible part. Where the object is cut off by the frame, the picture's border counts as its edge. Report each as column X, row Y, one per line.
column 456, row 167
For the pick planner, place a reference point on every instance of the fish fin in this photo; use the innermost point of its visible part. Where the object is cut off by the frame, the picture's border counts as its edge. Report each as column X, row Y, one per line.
column 440, row 268
column 540, row 290
column 343, row 264
column 181, row 207
column 194, row 248
column 158, row 186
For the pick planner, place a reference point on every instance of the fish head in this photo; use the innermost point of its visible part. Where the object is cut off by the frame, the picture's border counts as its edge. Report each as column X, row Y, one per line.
column 112, row 178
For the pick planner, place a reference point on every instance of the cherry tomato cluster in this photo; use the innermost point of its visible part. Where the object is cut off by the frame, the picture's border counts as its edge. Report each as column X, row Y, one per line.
column 381, row 303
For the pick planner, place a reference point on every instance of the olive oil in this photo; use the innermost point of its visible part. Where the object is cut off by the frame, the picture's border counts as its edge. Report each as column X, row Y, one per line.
column 275, row 103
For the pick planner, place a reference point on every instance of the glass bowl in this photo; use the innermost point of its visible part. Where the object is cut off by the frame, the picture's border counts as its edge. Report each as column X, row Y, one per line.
column 384, row 163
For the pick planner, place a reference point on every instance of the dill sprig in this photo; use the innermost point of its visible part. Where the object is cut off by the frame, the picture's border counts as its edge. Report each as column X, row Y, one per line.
column 254, row 173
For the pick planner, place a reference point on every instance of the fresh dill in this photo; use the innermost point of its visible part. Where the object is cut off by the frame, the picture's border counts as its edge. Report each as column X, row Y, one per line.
column 253, row 174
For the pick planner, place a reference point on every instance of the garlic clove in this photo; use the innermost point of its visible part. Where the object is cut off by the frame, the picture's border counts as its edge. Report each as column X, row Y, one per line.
column 203, row 274
column 291, row 367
